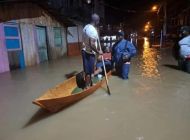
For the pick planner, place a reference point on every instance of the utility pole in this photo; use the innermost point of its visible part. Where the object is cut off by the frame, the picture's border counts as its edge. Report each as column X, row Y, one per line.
column 93, row 5
column 165, row 20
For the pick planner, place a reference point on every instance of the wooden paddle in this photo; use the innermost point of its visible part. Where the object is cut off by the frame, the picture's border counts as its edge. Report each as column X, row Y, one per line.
column 109, row 93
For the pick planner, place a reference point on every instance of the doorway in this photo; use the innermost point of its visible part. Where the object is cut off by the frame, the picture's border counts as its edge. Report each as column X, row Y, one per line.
column 41, row 39
column 14, row 46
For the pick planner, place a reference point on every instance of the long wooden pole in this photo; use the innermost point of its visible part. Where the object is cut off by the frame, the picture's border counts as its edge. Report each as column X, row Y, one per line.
column 109, row 93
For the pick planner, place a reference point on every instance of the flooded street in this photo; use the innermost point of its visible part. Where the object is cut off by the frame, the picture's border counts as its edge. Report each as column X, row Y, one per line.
column 148, row 60
column 154, row 104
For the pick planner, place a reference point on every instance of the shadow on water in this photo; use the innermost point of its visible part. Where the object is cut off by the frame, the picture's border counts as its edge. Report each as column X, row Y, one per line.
column 104, row 88
column 172, row 66
column 39, row 115
column 69, row 75
column 42, row 114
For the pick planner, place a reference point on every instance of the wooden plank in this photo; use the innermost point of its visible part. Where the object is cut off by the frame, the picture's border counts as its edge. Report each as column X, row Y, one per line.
column 28, row 42
column 4, row 63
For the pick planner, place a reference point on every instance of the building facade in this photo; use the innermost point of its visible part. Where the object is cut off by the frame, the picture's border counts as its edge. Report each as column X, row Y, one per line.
column 33, row 32
column 29, row 36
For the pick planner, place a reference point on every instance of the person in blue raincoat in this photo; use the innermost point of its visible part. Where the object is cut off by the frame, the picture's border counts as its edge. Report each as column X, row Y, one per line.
column 122, row 52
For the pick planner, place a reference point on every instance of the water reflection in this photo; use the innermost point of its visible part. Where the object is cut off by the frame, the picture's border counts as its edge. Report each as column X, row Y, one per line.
column 149, row 60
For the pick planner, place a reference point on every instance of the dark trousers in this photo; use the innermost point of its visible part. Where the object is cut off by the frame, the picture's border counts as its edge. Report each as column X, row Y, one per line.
column 184, row 64
column 88, row 62
column 108, row 66
column 122, row 70
column 125, row 71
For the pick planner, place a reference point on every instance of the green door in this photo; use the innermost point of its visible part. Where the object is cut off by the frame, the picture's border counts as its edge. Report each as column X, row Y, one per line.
column 41, row 43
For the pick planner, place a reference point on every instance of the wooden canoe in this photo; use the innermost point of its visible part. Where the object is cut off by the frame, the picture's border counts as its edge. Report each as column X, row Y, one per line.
column 61, row 96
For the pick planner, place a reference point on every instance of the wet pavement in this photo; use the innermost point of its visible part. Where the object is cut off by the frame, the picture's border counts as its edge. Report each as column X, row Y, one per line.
column 154, row 104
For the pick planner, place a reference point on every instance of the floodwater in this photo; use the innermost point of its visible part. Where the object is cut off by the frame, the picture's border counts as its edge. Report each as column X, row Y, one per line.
column 149, row 60
column 154, row 104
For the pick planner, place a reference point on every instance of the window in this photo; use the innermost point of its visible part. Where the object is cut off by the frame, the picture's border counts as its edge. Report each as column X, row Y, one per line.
column 57, row 37
column 12, row 37
column 12, row 43
column 11, row 31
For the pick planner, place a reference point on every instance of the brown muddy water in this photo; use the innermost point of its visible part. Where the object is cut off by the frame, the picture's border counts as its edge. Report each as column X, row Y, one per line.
column 154, row 104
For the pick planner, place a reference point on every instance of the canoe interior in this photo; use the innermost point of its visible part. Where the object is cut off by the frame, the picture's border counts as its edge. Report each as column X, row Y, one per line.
column 78, row 90
column 62, row 90
column 64, row 94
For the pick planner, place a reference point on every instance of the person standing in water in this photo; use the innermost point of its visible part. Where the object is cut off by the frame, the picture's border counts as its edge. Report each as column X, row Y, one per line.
column 90, row 48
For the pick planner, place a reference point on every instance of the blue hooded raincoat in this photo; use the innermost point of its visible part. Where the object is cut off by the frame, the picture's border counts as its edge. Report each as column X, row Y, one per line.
column 121, row 48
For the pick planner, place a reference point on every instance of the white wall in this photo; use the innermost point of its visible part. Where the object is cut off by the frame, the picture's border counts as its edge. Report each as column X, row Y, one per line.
column 72, row 34
column 80, row 32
